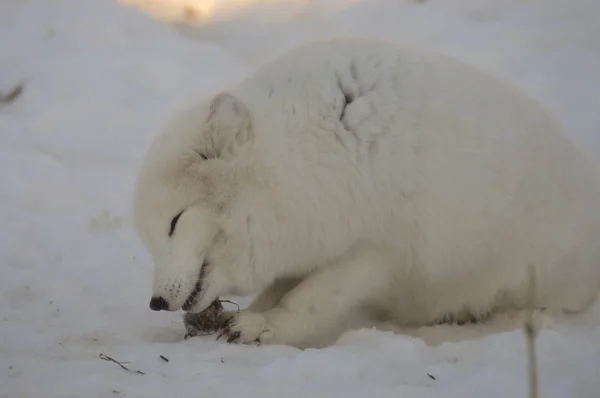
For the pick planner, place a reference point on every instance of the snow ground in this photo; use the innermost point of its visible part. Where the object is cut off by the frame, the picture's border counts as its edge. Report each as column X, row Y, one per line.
column 99, row 77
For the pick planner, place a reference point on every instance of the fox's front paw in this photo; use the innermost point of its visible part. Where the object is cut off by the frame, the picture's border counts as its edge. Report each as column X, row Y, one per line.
column 246, row 327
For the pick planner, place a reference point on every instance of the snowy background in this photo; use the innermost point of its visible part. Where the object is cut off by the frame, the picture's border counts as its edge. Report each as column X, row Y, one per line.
column 99, row 76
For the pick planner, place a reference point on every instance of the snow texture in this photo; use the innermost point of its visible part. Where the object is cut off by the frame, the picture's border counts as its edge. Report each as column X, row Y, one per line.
column 100, row 76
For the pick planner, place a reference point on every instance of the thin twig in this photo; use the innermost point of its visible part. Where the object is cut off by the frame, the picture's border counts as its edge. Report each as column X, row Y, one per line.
column 231, row 302
column 12, row 94
column 164, row 358
column 531, row 334
column 107, row 358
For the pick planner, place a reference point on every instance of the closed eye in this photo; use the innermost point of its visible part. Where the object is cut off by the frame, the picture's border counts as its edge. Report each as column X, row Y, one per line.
column 174, row 223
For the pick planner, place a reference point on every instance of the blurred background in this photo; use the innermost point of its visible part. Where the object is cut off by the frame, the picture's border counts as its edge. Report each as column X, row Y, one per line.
column 83, row 86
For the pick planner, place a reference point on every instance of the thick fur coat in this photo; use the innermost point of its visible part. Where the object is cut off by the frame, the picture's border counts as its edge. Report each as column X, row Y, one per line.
column 354, row 174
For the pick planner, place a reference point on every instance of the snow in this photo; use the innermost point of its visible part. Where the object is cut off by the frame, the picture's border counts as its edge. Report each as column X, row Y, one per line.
column 99, row 77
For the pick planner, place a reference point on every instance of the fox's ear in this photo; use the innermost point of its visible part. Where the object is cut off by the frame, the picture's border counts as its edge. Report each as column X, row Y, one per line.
column 230, row 126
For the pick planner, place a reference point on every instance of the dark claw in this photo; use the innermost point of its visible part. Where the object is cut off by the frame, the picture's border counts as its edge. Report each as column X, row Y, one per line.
column 227, row 323
column 223, row 333
column 225, row 327
column 234, row 336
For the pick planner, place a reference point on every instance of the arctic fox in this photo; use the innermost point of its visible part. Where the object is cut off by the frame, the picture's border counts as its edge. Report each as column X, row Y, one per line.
column 354, row 174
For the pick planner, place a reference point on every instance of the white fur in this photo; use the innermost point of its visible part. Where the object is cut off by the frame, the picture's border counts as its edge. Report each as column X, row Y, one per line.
column 428, row 199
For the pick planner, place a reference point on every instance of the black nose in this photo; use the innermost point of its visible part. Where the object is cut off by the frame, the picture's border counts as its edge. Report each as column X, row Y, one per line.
column 158, row 304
